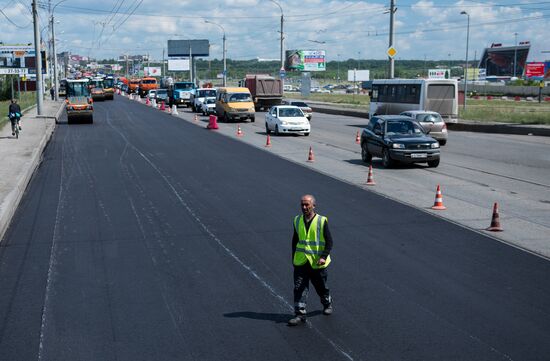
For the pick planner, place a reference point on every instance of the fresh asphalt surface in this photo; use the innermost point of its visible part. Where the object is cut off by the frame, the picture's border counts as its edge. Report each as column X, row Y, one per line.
column 145, row 237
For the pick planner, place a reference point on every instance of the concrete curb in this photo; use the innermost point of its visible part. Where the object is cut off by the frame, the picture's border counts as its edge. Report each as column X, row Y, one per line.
column 11, row 201
column 519, row 129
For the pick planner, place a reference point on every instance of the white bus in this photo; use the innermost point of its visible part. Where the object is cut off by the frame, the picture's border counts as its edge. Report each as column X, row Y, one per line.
column 393, row 96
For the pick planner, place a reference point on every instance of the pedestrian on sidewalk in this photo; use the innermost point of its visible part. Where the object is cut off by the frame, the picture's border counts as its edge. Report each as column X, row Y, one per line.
column 14, row 113
column 52, row 92
column 311, row 246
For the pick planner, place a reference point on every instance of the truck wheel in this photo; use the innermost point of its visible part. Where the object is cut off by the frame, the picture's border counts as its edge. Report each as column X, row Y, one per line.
column 91, row 119
column 253, row 119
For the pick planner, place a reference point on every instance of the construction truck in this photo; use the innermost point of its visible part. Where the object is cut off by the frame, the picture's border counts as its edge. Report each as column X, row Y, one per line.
column 180, row 93
column 266, row 91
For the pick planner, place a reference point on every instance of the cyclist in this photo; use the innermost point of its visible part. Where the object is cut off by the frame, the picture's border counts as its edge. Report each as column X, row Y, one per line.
column 14, row 113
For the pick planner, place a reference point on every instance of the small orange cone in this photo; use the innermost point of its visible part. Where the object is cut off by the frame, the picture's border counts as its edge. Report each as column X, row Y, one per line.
column 239, row 131
column 310, row 157
column 370, row 178
column 268, row 141
column 196, row 118
column 162, row 106
column 147, row 101
column 358, row 138
column 438, row 200
column 495, row 221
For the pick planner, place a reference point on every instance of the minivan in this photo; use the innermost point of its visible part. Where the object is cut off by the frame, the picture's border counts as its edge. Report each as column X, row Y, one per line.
column 234, row 104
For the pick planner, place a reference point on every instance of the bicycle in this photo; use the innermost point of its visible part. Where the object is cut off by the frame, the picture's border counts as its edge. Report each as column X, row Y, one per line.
column 15, row 126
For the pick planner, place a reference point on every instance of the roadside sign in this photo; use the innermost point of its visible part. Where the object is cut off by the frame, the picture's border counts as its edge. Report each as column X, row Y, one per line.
column 534, row 70
column 439, row 73
column 14, row 71
column 282, row 73
column 391, row 52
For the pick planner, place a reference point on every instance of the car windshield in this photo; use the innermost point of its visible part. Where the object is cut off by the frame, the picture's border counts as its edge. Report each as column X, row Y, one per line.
column 211, row 101
column 161, row 92
column 396, row 127
column 207, row 93
column 290, row 112
column 299, row 104
column 432, row 118
column 183, row 86
column 240, row 97
column 77, row 89
column 149, row 81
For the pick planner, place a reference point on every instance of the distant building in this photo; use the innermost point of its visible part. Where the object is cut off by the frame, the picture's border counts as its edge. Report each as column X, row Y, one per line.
column 499, row 60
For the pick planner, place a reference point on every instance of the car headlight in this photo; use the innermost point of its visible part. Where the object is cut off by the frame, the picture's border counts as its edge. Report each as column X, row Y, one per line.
column 283, row 122
column 251, row 110
column 434, row 145
column 398, row 145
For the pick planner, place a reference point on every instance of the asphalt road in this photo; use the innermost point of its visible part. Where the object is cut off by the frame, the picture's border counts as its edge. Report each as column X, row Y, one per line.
column 145, row 237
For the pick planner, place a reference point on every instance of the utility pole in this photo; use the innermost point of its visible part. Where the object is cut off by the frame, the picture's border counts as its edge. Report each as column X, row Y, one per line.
column 38, row 58
column 466, row 67
column 282, row 32
column 392, row 62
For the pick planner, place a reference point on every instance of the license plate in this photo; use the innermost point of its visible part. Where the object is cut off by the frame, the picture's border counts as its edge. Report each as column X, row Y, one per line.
column 419, row 155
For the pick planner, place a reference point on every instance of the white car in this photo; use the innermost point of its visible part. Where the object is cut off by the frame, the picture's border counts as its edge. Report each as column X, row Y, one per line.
column 208, row 106
column 199, row 96
column 283, row 119
column 151, row 94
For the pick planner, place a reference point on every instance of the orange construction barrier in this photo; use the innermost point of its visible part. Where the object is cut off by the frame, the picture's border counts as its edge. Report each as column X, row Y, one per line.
column 438, row 204
column 212, row 122
column 495, row 221
column 370, row 178
column 310, row 156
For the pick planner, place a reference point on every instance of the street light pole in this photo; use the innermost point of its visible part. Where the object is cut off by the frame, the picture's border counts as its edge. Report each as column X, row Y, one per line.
column 55, row 77
column 282, row 32
column 466, row 67
column 224, row 51
column 515, row 52
column 392, row 61
column 38, row 57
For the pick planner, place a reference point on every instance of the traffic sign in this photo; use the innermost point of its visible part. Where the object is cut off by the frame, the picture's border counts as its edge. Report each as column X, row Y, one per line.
column 391, row 52
column 282, row 73
column 14, row 71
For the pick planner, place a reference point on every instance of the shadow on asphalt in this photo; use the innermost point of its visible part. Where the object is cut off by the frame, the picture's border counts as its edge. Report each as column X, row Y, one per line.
column 275, row 317
column 357, row 125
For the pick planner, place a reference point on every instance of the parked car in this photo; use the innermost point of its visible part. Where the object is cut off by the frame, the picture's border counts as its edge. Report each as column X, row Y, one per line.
column 397, row 138
column 151, row 94
column 308, row 112
column 208, row 106
column 286, row 119
column 431, row 122
column 161, row 95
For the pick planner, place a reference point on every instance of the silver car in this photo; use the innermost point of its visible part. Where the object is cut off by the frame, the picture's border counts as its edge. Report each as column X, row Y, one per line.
column 431, row 122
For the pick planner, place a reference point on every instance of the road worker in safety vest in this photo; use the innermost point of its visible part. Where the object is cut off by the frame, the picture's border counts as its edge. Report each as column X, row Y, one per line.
column 311, row 246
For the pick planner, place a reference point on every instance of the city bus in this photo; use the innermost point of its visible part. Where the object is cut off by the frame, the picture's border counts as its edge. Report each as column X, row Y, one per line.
column 393, row 96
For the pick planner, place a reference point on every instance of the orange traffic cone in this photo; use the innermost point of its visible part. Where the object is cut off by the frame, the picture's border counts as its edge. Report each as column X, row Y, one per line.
column 438, row 204
column 370, row 178
column 147, row 101
column 268, row 141
column 495, row 221
column 310, row 157
column 239, row 131
column 358, row 138
column 162, row 106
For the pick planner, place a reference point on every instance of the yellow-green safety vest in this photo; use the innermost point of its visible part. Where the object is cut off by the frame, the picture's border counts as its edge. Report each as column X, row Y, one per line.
column 311, row 244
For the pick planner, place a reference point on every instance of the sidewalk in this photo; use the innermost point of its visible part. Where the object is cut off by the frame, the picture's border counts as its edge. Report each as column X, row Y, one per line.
column 20, row 157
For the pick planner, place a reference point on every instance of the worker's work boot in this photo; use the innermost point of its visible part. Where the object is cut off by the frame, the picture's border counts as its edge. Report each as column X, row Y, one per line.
column 327, row 311
column 297, row 320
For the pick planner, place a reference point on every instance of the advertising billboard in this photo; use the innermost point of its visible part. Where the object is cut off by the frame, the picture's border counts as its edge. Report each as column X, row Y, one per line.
column 152, row 71
column 188, row 48
column 358, row 75
column 500, row 60
column 439, row 73
column 535, row 70
column 305, row 60
column 178, row 64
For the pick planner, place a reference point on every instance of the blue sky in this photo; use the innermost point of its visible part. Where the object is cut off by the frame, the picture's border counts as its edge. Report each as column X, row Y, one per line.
column 344, row 29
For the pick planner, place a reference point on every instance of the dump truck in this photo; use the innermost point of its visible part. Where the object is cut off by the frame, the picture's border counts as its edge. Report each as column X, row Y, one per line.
column 266, row 91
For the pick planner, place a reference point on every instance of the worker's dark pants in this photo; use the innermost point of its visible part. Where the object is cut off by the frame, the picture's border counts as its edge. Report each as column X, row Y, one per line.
column 302, row 276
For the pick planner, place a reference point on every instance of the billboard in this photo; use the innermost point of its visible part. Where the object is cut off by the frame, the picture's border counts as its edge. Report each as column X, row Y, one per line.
column 439, row 73
column 358, row 75
column 535, row 70
column 188, row 48
column 152, row 71
column 305, row 60
column 178, row 64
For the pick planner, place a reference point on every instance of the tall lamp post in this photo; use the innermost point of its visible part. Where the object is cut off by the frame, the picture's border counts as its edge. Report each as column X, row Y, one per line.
column 55, row 78
column 224, row 51
column 515, row 52
column 466, row 67
column 282, row 33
